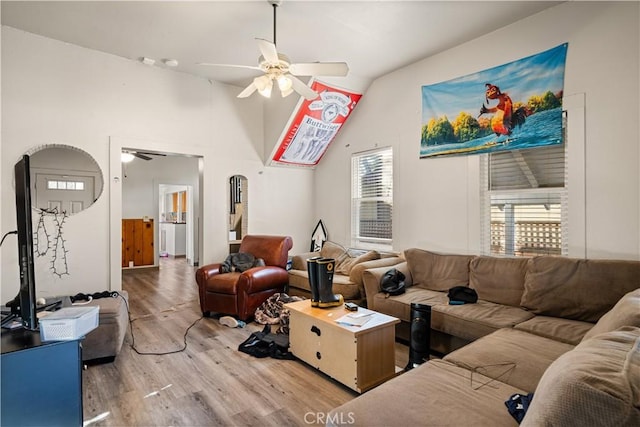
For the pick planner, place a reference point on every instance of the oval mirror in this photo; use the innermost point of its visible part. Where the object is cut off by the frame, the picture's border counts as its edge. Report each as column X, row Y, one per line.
column 64, row 178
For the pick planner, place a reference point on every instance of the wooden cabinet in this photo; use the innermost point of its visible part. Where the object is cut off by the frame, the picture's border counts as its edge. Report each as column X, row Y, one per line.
column 359, row 357
column 137, row 242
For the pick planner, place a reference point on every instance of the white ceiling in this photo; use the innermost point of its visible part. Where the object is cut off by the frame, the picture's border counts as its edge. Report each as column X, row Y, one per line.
column 373, row 37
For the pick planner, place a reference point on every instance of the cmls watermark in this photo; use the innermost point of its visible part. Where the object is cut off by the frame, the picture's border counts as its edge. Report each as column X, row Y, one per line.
column 338, row 418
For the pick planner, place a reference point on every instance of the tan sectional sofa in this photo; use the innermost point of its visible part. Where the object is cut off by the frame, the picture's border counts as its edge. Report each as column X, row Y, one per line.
column 567, row 330
column 350, row 265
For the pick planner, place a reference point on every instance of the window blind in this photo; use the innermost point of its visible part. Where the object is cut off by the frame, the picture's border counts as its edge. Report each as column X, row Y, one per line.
column 372, row 198
column 525, row 199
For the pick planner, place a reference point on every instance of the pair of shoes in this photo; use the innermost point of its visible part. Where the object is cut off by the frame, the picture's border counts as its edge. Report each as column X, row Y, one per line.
column 321, row 283
column 231, row 322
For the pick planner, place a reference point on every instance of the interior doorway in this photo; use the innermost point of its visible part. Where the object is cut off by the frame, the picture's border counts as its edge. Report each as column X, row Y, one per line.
column 177, row 228
column 144, row 177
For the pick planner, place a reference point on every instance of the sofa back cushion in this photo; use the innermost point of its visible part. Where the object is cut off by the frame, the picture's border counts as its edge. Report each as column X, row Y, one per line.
column 626, row 312
column 597, row 383
column 499, row 280
column 437, row 272
column 579, row 289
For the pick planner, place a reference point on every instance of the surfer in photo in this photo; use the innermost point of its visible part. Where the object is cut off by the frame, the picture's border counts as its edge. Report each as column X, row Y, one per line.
column 504, row 119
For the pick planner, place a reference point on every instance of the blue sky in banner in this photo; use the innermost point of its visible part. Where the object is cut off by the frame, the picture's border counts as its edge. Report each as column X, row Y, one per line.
column 520, row 79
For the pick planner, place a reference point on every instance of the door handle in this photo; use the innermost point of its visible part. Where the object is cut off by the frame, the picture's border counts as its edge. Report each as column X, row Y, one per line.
column 316, row 330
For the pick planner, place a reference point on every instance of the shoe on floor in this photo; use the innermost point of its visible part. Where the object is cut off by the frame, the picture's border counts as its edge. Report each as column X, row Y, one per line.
column 229, row 321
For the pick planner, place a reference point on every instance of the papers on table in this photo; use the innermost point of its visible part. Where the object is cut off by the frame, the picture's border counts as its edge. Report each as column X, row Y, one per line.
column 354, row 319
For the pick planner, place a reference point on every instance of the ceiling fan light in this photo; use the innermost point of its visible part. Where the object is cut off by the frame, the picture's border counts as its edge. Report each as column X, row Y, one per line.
column 286, row 92
column 266, row 92
column 264, row 85
column 126, row 157
column 262, row 82
column 284, row 83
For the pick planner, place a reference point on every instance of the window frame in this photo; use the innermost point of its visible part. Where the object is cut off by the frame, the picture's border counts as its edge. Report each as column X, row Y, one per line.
column 370, row 242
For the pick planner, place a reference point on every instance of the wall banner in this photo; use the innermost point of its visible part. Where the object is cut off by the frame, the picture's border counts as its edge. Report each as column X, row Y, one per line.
column 513, row 106
column 314, row 126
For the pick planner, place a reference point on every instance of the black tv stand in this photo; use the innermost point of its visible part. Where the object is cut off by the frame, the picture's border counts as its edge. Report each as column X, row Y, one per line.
column 41, row 381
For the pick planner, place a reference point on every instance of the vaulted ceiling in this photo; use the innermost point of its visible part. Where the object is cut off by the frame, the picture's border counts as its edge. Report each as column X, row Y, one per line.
column 373, row 37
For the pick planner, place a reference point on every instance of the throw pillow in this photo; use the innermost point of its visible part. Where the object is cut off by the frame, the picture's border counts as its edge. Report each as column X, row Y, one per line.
column 332, row 250
column 625, row 312
column 345, row 266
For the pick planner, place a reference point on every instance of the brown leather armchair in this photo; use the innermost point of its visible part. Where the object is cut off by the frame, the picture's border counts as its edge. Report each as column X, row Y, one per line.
column 240, row 294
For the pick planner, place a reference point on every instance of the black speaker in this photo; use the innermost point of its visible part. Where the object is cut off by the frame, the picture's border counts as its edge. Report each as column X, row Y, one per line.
column 420, row 343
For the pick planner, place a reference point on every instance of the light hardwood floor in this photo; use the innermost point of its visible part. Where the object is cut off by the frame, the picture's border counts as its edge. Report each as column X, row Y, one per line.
column 210, row 383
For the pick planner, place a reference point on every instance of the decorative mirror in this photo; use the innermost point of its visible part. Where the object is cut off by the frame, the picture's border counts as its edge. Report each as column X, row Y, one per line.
column 64, row 179
column 238, row 187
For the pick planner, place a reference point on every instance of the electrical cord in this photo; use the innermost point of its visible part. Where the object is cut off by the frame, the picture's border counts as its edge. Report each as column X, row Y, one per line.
column 149, row 353
column 6, row 234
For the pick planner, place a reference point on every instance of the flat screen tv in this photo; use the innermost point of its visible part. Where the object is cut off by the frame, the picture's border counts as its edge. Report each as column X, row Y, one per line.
column 27, row 293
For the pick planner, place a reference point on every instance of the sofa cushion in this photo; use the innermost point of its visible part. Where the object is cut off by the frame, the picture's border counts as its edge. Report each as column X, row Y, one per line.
column 472, row 321
column 513, row 357
column 597, row 383
column 499, row 280
column 348, row 262
column 579, row 289
column 435, row 393
column 437, row 272
column 626, row 312
column 565, row 330
column 400, row 305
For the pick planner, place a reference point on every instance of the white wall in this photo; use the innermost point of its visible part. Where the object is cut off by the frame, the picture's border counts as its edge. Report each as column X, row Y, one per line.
column 53, row 92
column 140, row 185
column 436, row 204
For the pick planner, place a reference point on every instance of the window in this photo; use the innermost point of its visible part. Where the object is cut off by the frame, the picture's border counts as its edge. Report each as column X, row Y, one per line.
column 65, row 185
column 524, row 195
column 372, row 199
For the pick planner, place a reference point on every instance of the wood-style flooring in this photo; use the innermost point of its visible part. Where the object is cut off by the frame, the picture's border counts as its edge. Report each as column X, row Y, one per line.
column 210, row 383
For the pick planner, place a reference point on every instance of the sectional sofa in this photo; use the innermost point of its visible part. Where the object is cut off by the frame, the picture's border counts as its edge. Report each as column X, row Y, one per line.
column 567, row 330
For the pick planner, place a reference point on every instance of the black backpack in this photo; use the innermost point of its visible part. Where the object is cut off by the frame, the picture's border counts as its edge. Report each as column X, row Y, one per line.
column 392, row 282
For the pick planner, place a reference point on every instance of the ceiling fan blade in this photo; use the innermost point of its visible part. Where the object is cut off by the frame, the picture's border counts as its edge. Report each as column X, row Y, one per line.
column 248, row 91
column 250, row 67
column 151, row 153
column 319, row 69
column 303, row 89
column 268, row 50
column 141, row 156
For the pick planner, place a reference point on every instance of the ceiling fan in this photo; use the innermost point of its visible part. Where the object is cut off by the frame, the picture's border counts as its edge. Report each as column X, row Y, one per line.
column 277, row 67
column 128, row 155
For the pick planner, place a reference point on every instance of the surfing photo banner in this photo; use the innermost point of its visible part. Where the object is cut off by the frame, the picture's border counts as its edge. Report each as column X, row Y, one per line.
column 510, row 107
column 314, row 126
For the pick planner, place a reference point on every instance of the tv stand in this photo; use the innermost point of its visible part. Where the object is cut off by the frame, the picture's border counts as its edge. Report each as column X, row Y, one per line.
column 41, row 381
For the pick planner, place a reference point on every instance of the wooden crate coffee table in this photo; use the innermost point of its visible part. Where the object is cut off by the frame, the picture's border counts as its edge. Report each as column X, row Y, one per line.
column 359, row 357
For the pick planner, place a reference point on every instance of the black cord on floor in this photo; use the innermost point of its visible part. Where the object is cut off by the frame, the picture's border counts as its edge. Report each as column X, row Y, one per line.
column 143, row 353
column 6, row 234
